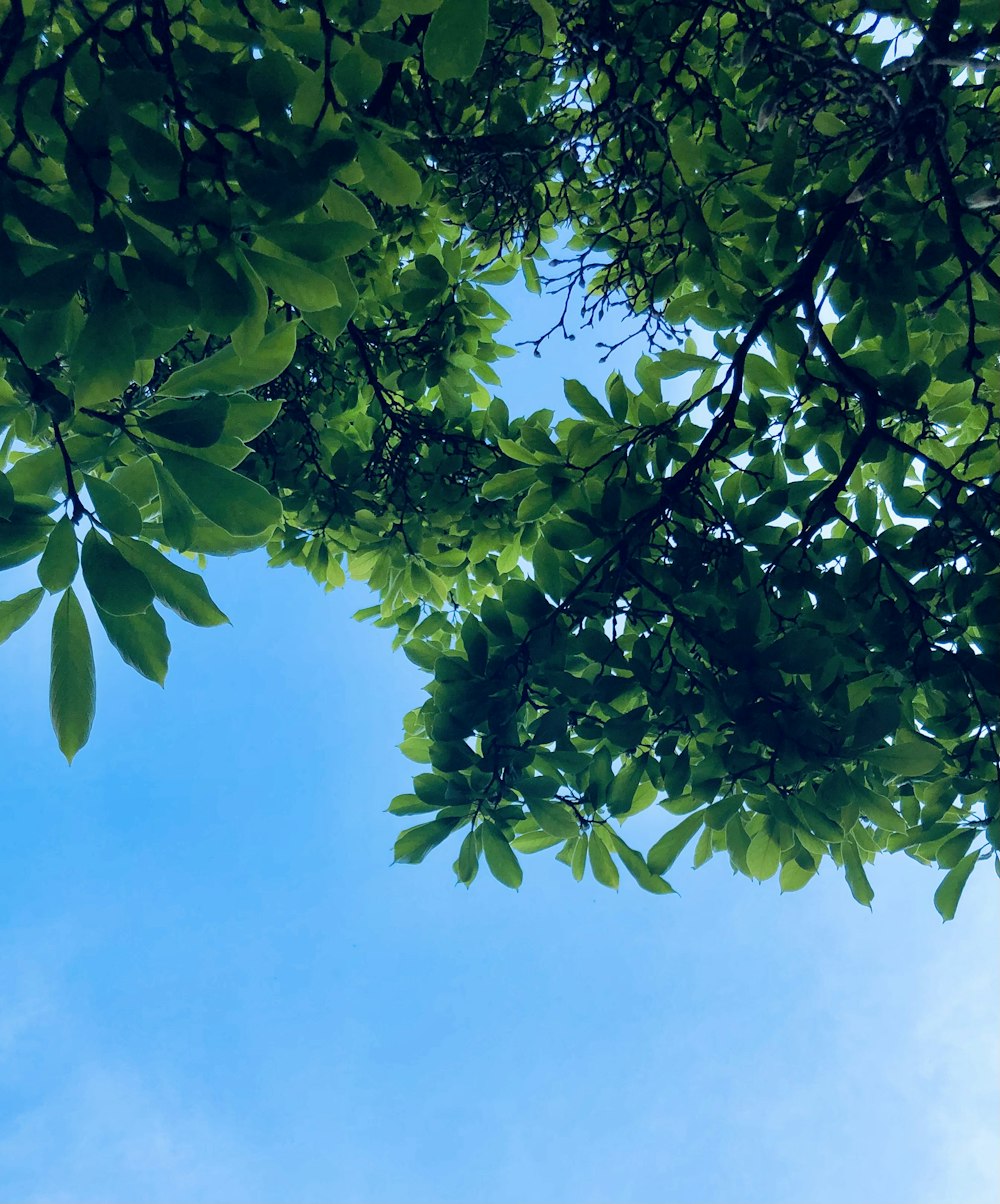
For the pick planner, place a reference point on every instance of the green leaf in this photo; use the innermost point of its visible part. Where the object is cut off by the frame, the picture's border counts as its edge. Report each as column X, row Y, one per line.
column 6, row 496
column 668, row 848
column 140, row 640
column 103, row 359
column 248, row 416
column 115, row 511
column 947, row 895
column 878, row 809
column 224, row 372
column 114, row 584
column 794, row 876
column 915, row 758
column 72, row 686
column 184, row 592
column 601, row 865
column 234, row 503
column 585, row 403
column 295, row 283
column 763, row 855
column 387, row 173
column 500, row 857
column 195, row 424
column 456, row 38
column 17, row 611
column 636, row 865
column 553, row 818
column 854, row 871
column 413, row 845
column 176, row 514
column 61, row 558
column 467, row 864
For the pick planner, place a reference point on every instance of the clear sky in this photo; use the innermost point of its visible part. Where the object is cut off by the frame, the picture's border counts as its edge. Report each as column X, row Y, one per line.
column 215, row 987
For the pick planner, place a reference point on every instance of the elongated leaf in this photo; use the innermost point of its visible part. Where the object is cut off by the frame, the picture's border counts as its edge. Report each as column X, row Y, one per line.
column 140, row 640
column 296, row 283
column 232, row 502
column 854, row 871
column 176, row 514
column 947, row 895
column 114, row 584
column 61, row 557
column 184, row 592
column 17, row 611
column 413, row 845
column 500, row 857
column 601, row 865
column 225, row 373
column 196, row 424
column 636, row 865
column 916, row 757
column 668, row 848
column 467, row 865
column 72, row 685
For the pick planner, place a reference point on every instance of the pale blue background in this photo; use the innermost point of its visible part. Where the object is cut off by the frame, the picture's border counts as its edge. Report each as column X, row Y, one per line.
column 214, row 987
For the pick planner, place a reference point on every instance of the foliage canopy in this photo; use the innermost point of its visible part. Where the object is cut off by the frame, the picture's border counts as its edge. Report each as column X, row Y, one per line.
column 247, row 258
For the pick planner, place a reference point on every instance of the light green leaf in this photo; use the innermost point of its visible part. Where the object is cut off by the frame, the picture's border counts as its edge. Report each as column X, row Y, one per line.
column 763, row 855
column 114, row 584
column 72, row 685
column 238, row 505
column 585, row 403
column 224, row 372
column 61, row 558
column 467, row 865
column 854, row 871
column 184, row 592
column 140, row 640
column 17, row 611
column 913, row 758
column 248, row 416
column 295, row 283
column 665, row 852
column 601, row 865
column 387, row 173
column 947, row 895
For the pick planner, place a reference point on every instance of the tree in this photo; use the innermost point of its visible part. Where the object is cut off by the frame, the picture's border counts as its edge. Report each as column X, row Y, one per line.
column 248, row 251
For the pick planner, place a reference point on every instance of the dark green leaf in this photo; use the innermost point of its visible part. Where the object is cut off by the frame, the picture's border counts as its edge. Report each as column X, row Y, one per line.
column 72, row 686
column 115, row 586
column 140, row 640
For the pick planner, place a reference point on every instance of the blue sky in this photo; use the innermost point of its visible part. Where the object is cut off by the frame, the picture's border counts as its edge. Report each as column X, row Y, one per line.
column 214, row 985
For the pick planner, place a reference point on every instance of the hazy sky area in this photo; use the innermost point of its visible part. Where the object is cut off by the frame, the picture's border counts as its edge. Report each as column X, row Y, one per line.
column 215, row 987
